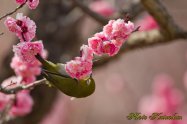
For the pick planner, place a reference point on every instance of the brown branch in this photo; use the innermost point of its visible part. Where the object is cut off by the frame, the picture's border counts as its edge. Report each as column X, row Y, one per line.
column 22, row 87
column 161, row 15
column 139, row 40
column 91, row 13
column 1, row 33
column 12, row 12
column 134, row 10
column 169, row 31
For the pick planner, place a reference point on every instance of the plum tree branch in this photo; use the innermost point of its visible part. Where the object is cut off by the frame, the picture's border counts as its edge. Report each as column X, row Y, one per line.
column 12, row 12
column 22, row 87
column 163, row 18
column 169, row 31
column 134, row 10
column 1, row 33
column 91, row 13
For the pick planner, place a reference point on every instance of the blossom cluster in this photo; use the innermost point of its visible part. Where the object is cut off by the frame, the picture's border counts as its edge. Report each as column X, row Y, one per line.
column 165, row 99
column 27, row 67
column 24, row 63
column 109, row 41
column 23, row 102
column 81, row 67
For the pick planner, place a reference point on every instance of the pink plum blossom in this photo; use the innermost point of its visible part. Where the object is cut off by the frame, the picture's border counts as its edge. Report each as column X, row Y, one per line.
column 11, row 24
column 110, row 48
column 147, row 23
column 79, row 68
column 23, row 26
column 28, row 71
column 31, row 3
column 26, row 51
column 165, row 99
column 96, row 44
column 109, row 41
column 118, row 29
column 86, row 53
column 101, row 45
column 20, row 1
column 4, row 99
column 102, row 7
column 23, row 104
column 163, row 87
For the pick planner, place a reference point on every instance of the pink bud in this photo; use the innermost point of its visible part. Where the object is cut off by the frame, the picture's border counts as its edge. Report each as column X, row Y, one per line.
column 33, row 4
column 20, row 1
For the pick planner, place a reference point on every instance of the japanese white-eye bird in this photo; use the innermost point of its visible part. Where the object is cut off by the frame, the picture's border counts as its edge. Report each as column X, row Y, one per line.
column 57, row 76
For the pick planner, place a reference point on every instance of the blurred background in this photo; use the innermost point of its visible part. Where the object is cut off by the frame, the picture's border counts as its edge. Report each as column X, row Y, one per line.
column 120, row 84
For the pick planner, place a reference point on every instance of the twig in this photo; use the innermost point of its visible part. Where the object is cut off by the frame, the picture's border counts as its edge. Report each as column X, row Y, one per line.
column 1, row 33
column 12, row 12
column 139, row 40
column 134, row 10
column 21, row 87
column 163, row 18
column 91, row 13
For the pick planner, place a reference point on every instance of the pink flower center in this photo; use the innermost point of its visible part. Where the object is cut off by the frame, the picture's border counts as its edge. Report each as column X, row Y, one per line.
column 24, row 29
column 19, row 23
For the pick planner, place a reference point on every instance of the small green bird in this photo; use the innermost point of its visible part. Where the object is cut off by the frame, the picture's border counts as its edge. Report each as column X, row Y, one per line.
column 57, row 76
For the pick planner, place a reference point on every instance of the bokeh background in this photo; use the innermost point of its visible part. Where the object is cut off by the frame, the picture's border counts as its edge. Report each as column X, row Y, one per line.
column 120, row 84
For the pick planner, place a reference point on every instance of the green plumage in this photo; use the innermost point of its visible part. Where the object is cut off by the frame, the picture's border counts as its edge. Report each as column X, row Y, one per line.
column 56, row 75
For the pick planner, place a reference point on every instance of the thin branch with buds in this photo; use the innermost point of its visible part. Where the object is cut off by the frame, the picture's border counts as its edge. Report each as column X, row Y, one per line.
column 1, row 33
column 12, row 12
column 22, row 87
